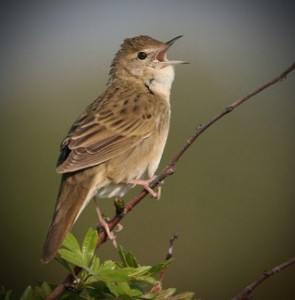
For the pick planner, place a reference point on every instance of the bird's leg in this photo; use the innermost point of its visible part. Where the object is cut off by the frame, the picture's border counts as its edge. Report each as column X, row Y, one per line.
column 145, row 183
column 103, row 223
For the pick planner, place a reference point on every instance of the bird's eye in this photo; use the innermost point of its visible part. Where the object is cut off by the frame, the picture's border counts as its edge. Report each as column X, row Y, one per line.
column 141, row 55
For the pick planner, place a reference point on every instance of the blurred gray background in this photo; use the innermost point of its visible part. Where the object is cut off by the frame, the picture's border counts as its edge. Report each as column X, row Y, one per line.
column 232, row 197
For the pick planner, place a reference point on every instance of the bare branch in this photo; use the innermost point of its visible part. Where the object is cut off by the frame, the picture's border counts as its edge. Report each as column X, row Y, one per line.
column 171, row 245
column 246, row 294
column 163, row 273
column 169, row 169
column 169, row 255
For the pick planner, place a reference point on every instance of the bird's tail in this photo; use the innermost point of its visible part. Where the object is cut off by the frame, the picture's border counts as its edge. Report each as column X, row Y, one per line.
column 74, row 194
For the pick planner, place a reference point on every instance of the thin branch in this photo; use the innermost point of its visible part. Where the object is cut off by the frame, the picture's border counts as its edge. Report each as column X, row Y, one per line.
column 168, row 256
column 169, row 170
column 163, row 273
column 246, row 294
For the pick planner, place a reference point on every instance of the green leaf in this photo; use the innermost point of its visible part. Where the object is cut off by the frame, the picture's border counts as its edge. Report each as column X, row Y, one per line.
column 28, row 294
column 127, row 291
column 7, row 295
column 66, row 264
column 45, row 289
column 118, row 275
column 184, row 296
column 123, row 291
column 108, row 265
column 98, row 290
column 71, row 243
column 148, row 279
column 168, row 294
column 70, row 296
column 164, row 294
column 148, row 296
column 160, row 267
column 72, row 257
column 89, row 245
column 126, row 281
column 127, row 258
column 134, row 272
column 41, row 292
column 95, row 264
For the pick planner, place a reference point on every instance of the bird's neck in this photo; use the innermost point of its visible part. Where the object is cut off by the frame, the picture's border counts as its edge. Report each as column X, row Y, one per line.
column 158, row 82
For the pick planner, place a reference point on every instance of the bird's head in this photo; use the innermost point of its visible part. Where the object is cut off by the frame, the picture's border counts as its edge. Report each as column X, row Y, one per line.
column 143, row 58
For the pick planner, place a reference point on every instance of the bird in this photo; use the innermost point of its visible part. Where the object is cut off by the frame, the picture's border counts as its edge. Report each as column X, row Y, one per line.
column 118, row 141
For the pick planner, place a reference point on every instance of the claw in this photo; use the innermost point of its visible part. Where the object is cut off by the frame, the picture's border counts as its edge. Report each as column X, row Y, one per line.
column 145, row 184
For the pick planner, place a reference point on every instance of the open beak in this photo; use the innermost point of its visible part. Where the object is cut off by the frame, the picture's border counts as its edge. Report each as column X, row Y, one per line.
column 161, row 54
column 171, row 42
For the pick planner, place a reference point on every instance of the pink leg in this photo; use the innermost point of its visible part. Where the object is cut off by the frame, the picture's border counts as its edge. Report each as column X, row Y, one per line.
column 145, row 183
column 105, row 225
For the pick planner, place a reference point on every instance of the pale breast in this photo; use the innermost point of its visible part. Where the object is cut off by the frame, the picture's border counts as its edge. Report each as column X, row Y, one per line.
column 141, row 162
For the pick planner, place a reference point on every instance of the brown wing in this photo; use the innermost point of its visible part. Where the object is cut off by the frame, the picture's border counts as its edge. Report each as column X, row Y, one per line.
column 107, row 129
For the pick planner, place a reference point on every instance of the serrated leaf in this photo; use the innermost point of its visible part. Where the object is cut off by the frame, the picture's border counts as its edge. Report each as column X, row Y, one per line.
column 108, row 265
column 139, row 271
column 45, row 288
column 113, row 287
column 148, row 279
column 95, row 264
column 41, row 292
column 70, row 296
column 28, row 294
column 123, row 291
column 127, row 291
column 122, row 254
column 168, row 294
column 148, row 296
column 89, row 245
column 127, row 258
column 72, row 257
column 98, row 290
column 7, row 295
column 184, row 296
column 165, row 294
column 160, row 267
column 118, row 275
column 71, row 243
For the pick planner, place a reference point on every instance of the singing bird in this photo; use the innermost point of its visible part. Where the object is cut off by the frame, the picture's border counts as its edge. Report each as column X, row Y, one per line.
column 118, row 141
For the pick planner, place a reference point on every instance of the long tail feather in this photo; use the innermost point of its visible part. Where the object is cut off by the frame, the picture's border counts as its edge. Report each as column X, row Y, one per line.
column 74, row 194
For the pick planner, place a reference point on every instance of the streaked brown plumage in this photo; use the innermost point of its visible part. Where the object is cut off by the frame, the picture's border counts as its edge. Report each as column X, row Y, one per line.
column 119, row 138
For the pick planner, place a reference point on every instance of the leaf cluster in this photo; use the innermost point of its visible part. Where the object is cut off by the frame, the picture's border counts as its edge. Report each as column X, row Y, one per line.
column 125, row 280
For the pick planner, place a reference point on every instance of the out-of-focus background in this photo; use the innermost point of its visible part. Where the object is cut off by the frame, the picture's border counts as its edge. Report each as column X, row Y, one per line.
column 232, row 197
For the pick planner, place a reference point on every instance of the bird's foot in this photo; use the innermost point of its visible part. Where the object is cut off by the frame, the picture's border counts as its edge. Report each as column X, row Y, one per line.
column 104, row 224
column 145, row 184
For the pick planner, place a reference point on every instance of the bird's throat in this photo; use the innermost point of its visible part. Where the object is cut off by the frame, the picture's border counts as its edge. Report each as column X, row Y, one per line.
column 161, row 82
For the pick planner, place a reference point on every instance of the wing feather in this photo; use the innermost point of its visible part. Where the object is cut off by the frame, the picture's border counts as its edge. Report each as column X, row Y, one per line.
column 108, row 128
